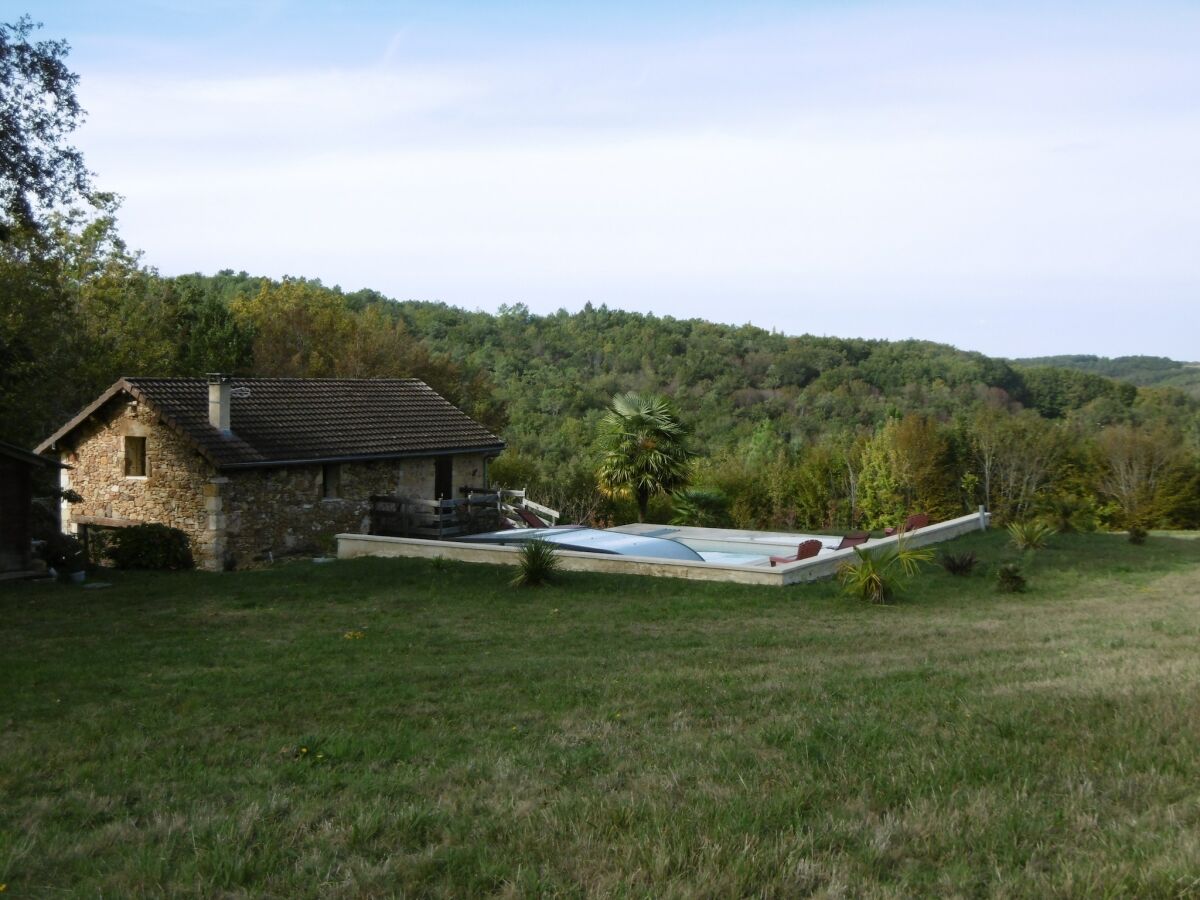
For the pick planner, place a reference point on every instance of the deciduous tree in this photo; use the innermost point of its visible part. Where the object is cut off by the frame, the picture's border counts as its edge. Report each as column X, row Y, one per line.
column 38, row 110
column 1136, row 464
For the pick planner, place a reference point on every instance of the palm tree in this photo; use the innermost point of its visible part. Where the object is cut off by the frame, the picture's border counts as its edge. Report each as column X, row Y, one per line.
column 642, row 448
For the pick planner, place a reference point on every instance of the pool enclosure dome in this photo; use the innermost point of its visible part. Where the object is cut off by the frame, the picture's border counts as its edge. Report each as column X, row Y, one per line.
column 590, row 540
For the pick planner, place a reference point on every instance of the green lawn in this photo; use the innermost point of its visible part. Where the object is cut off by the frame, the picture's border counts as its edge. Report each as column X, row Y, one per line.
column 404, row 728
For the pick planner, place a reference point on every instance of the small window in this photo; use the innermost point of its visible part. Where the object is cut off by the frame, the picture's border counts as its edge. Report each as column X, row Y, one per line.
column 135, row 457
column 331, row 481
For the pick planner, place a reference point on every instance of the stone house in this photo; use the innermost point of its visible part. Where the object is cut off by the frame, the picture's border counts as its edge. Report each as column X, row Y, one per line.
column 252, row 468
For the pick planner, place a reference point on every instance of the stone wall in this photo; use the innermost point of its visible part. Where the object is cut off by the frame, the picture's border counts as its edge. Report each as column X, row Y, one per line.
column 469, row 469
column 172, row 491
column 414, row 478
column 274, row 512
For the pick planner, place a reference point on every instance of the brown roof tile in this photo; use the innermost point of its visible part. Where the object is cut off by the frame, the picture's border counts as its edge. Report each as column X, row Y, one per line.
column 288, row 420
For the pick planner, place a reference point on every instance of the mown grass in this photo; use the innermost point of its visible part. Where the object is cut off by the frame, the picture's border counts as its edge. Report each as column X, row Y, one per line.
column 410, row 728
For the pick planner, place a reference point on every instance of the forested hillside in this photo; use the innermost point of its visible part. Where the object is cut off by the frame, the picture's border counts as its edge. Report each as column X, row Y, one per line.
column 789, row 431
column 1157, row 371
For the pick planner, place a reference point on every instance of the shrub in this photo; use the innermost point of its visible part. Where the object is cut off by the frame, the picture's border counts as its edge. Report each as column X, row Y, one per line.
column 1137, row 535
column 1031, row 535
column 99, row 540
column 43, row 522
column 63, row 553
column 150, row 546
column 702, row 507
column 958, row 563
column 1009, row 579
column 876, row 577
column 1067, row 513
column 539, row 564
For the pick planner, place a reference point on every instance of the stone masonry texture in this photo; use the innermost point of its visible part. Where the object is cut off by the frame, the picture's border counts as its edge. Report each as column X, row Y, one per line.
column 237, row 517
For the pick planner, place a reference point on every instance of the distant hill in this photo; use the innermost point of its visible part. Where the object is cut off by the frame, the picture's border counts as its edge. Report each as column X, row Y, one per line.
column 1145, row 371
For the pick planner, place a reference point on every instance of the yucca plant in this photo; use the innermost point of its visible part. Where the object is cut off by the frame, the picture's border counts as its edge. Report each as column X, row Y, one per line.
column 958, row 563
column 1067, row 514
column 1030, row 535
column 876, row 577
column 1009, row 579
column 539, row 564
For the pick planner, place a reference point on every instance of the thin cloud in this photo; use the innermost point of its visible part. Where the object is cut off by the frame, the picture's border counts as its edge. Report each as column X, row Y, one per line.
column 842, row 170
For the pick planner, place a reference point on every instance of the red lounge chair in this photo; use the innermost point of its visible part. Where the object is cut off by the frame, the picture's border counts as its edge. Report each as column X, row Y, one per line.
column 853, row 539
column 530, row 519
column 806, row 550
column 912, row 523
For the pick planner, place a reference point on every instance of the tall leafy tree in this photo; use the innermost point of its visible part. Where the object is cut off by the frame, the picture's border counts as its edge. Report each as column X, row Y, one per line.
column 38, row 111
column 643, row 448
column 880, row 493
column 923, row 466
column 39, row 343
column 1136, row 464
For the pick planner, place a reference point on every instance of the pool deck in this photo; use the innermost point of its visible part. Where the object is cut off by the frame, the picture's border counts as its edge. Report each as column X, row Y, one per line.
column 824, row 565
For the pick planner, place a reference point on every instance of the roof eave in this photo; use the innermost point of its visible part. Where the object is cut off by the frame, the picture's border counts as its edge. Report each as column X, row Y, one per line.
column 82, row 416
column 361, row 457
column 20, row 454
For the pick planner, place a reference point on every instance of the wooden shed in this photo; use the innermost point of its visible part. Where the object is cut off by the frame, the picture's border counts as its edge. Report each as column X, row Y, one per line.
column 17, row 467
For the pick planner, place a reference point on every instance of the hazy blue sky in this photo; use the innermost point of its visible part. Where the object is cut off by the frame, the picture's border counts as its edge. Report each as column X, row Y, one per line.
column 1014, row 178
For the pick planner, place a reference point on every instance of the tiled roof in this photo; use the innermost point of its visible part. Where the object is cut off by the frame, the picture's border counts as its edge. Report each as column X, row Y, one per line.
column 288, row 420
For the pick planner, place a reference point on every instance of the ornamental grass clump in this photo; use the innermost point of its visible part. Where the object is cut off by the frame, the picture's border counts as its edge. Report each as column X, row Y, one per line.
column 1031, row 535
column 539, row 564
column 958, row 563
column 877, row 577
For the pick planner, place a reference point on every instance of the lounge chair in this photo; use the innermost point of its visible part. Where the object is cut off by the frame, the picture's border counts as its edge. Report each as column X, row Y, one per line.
column 530, row 519
column 806, row 550
column 853, row 539
column 912, row 523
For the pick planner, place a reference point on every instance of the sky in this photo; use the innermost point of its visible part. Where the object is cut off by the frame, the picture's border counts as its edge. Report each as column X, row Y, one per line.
column 1015, row 178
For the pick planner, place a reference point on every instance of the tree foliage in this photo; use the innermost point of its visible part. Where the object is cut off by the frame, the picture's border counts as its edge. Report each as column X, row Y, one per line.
column 643, row 448
column 803, row 433
column 798, row 432
column 1136, row 466
column 38, row 112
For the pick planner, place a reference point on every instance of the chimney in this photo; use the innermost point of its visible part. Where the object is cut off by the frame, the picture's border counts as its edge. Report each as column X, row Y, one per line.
column 218, row 401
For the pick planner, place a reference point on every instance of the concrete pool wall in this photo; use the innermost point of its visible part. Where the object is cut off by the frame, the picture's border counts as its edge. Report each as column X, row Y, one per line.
column 825, row 565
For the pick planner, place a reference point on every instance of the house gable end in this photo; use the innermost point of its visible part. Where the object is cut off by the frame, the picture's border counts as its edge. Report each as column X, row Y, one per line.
column 94, row 408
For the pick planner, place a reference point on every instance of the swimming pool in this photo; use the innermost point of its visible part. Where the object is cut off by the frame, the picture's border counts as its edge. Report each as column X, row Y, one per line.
column 734, row 559
column 721, row 554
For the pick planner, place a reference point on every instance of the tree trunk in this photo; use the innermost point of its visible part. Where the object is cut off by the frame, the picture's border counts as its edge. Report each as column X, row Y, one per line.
column 643, row 502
